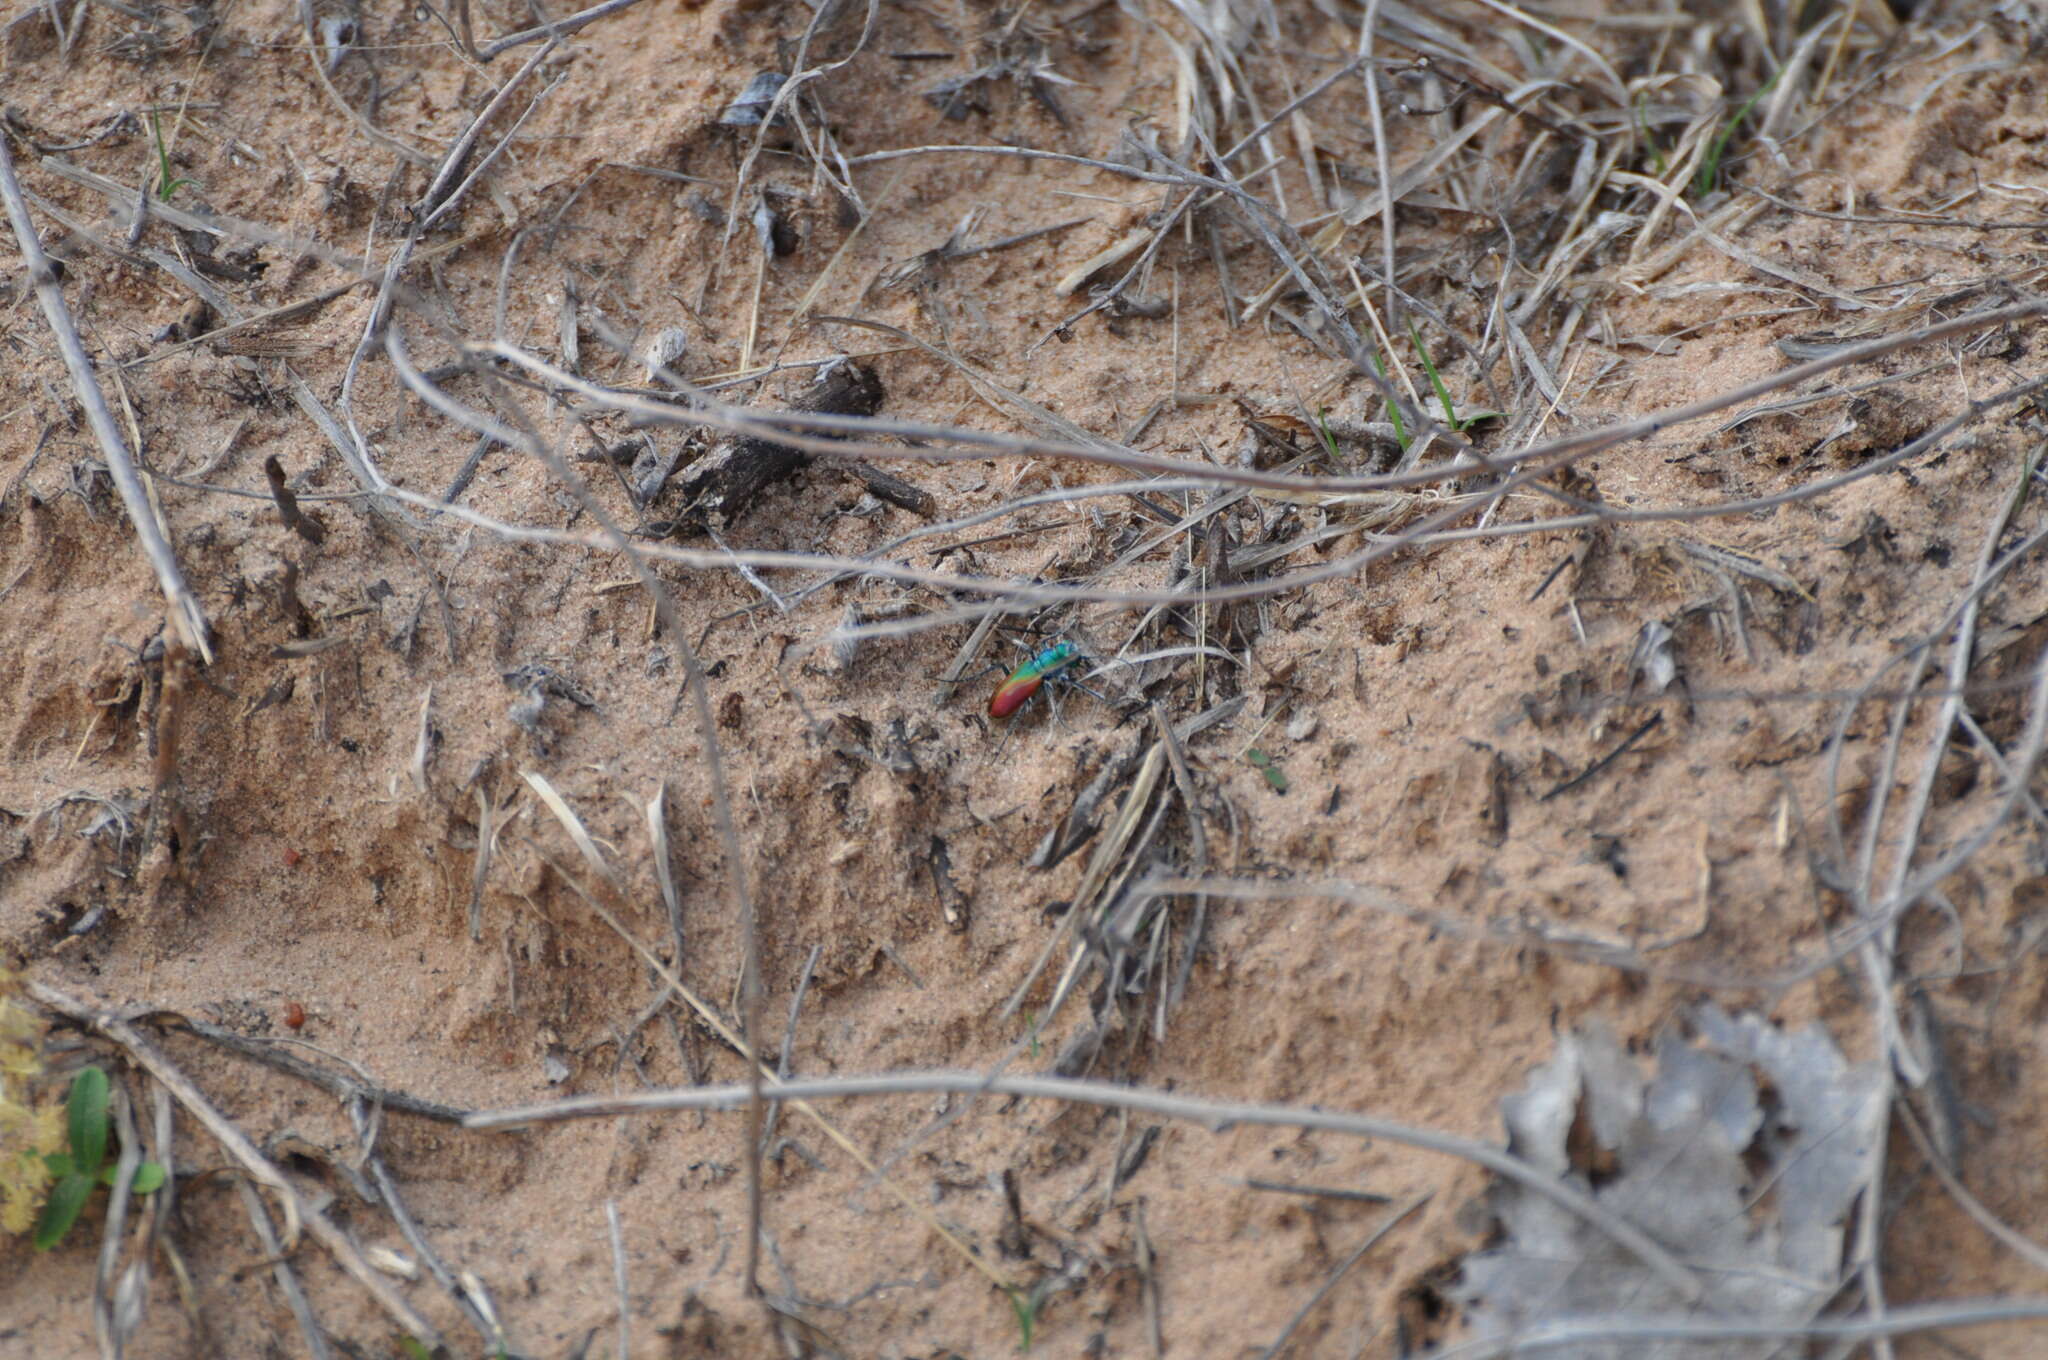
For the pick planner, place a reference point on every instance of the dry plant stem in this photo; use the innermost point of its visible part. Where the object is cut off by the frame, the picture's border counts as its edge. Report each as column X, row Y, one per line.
column 1906, row 891
column 164, row 1201
column 186, row 616
column 363, row 1116
column 281, row 1271
column 1525, row 465
column 1215, row 1115
column 1960, row 653
column 442, row 195
column 1877, row 954
column 560, row 28
column 271, row 1054
column 618, row 1243
column 1389, row 300
column 1387, row 1225
column 2024, row 1248
column 237, row 1145
column 1295, row 105
column 106, row 1325
column 796, row 1006
column 1433, row 530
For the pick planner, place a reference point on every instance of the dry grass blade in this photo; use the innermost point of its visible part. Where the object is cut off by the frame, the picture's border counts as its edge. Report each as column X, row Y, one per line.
column 618, row 1245
column 573, row 824
column 664, row 870
column 1106, row 855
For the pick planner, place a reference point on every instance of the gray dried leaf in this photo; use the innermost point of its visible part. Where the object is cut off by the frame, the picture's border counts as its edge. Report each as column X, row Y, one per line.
column 1743, row 1153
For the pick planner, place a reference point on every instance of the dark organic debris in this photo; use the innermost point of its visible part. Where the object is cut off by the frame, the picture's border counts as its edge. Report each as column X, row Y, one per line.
column 536, row 685
column 750, row 109
column 722, row 485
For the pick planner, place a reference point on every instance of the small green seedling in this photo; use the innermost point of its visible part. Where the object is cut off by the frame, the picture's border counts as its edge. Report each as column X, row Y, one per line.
column 1025, row 1304
column 1393, row 408
column 1263, row 763
column 84, row 1164
column 1443, row 394
column 1710, row 165
column 1323, row 429
column 165, row 185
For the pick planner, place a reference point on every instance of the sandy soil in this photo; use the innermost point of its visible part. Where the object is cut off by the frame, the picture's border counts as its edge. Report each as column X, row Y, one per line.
column 260, row 839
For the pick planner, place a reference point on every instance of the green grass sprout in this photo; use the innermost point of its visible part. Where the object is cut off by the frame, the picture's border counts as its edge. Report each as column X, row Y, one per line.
column 84, row 1165
column 1393, row 408
column 1263, row 763
column 1642, row 123
column 1025, row 1306
column 1323, row 429
column 1443, row 394
column 165, row 185
column 1709, row 177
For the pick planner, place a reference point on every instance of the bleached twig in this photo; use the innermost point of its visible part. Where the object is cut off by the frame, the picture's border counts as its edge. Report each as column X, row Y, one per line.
column 186, row 616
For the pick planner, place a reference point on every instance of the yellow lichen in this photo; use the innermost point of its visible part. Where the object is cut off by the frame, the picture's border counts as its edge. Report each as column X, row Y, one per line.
column 28, row 1130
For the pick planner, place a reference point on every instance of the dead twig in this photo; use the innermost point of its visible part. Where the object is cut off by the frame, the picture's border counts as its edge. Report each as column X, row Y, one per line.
column 1215, row 1115
column 186, row 616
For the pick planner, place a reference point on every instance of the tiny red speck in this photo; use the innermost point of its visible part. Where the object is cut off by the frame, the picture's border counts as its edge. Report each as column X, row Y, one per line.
column 294, row 1016
column 291, row 858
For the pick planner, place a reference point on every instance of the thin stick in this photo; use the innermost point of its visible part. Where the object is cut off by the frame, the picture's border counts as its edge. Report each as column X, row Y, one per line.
column 796, row 1007
column 105, row 1318
column 1215, row 1115
column 281, row 1271
column 1389, row 300
column 186, row 616
column 1279, row 1346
